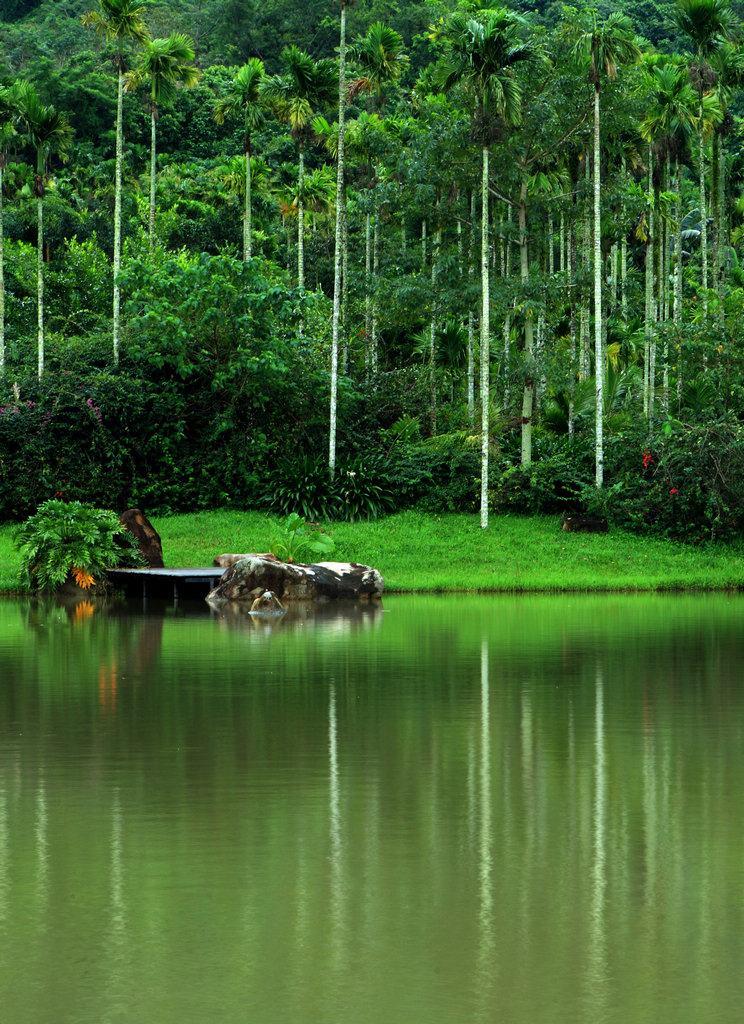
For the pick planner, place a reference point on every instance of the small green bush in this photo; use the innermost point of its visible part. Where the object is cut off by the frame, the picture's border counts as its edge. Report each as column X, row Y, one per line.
column 72, row 539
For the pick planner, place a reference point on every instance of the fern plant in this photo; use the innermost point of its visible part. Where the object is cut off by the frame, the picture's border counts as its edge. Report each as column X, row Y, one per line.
column 72, row 539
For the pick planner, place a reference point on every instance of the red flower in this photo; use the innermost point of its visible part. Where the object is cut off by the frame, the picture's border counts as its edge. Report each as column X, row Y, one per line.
column 674, row 491
column 647, row 459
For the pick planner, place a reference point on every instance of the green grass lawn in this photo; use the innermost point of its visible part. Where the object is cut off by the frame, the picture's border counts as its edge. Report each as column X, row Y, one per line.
column 417, row 552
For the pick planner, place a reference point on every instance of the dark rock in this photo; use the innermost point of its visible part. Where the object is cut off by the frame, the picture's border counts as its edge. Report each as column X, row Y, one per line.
column 148, row 541
column 250, row 577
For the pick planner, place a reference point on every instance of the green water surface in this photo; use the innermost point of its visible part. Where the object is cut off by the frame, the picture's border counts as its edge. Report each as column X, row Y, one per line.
column 526, row 810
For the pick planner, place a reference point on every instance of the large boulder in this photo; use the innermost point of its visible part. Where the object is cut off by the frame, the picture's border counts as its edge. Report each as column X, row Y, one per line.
column 251, row 577
column 148, row 540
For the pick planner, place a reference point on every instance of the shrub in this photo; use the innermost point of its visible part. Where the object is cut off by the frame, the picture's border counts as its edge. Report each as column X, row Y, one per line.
column 70, row 538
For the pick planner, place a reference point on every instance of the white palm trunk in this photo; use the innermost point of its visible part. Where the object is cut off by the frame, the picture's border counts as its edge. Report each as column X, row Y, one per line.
column 2, row 277
column 40, row 284
column 153, row 173
column 598, row 348
column 528, row 392
column 247, row 214
column 301, row 222
column 339, row 246
column 117, row 211
column 485, row 331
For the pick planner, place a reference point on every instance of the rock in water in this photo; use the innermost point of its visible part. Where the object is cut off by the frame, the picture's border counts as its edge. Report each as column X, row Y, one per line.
column 148, row 541
column 250, row 577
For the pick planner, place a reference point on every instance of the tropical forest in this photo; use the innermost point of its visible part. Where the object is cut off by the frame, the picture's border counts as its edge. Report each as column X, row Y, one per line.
column 343, row 259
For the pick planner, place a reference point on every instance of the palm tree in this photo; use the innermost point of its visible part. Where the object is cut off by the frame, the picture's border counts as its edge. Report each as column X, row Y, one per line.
column 163, row 64
column 245, row 98
column 481, row 54
column 305, row 84
column 9, row 110
column 120, row 21
column 667, row 125
column 50, row 134
column 706, row 23
column 601, row 47
column 381, row 60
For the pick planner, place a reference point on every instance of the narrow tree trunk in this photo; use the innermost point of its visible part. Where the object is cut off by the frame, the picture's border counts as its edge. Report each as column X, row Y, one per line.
column 571, row 254
column 368, row 292
column 485, row 341
column 117, row 209
column 703, row 213
column 153, row 172
column 529, row 383
column 2, row 273
column 598, row 353
column 471, row 319
column 40, row 283
column 375, row 273
column 433, row 332
column 337, row 256
column 247, row 219
column 301, row 221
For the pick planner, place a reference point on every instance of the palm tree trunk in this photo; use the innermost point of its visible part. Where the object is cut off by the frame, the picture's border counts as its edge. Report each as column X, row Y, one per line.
column 153, row 172
column 40, row 283
column 571, row 255
column 528, row 393
column 117, row 209
column 368, row 292
column 247, row 226
column 703, row 213
column 301, row 221
column 375, row 273
column 485, row 333
column 471, row 319
column 598, row 353
column 339, row 242
column 2, row 273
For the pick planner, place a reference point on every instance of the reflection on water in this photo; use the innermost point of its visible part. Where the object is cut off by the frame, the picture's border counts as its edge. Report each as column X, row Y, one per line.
column 495, row 809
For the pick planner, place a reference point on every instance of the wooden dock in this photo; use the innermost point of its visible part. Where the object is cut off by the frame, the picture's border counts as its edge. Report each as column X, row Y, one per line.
column 166, row 583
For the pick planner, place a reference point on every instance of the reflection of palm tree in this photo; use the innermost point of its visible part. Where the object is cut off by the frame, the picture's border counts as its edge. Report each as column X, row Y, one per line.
column 162, row 65
column 305, row 84
column 481, row 53
column 49, row 133
column 245, row 97
column 121, row 21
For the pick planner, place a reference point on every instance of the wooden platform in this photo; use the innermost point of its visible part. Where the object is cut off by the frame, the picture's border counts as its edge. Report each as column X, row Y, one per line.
column 167, row 583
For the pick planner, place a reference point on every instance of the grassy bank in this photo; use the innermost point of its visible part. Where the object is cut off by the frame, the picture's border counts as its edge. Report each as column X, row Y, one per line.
column 416, row 552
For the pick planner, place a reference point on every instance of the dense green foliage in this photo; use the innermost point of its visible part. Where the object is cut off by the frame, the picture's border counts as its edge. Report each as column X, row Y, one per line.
column 70, row 539
column 217, row 392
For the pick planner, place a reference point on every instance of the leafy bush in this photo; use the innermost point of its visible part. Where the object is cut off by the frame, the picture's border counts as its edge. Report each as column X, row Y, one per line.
column 70, row 538
column 360, row 489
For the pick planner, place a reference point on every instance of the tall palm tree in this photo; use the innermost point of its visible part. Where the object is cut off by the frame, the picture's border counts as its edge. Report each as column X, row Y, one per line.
column 50, row 134
column 380, row 58
column 481, row 53
column 339, row 247
column 122, row 22
column 9, row 111
column 304, row 85
column 728, row 63
column 601, row 47
column 707, row 24
column 163, row 64
column 245, row 98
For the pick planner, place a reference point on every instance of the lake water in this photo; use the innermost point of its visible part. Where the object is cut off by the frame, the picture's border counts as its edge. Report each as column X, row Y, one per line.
column 526, row 810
